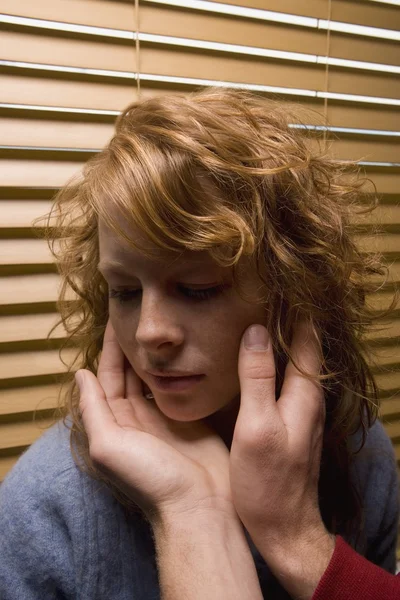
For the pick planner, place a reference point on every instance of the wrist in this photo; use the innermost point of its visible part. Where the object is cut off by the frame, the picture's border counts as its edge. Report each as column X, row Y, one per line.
column 209, row 548
column 300, row 564
column 183, row 514
column 204, row 521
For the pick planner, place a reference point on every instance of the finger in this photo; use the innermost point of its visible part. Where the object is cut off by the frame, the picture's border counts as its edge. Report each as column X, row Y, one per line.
column 133, row 383
column 257, row 376
column 97, row 416
column 111, row 371
column 147, row 415
column 301, row 402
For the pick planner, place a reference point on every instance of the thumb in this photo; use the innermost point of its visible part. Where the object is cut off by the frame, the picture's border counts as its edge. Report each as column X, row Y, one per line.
column 256, row 373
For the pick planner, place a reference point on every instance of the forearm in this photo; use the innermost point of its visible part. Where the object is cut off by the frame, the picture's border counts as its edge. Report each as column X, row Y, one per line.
column 205, row 557
column 300, row 565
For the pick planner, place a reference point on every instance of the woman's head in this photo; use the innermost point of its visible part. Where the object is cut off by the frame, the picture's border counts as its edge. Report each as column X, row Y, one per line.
column 215, row 188
column 177, row 314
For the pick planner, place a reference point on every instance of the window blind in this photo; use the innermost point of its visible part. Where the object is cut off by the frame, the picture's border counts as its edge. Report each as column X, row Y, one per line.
column 67, row 67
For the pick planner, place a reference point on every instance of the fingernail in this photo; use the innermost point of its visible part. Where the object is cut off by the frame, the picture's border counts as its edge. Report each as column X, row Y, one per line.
column 256, row 338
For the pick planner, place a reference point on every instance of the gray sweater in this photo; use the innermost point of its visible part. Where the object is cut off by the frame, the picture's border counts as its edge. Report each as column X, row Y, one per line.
column 64, row 536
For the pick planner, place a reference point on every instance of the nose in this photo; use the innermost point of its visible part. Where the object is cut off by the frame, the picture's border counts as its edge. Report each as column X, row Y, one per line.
column 159, row 323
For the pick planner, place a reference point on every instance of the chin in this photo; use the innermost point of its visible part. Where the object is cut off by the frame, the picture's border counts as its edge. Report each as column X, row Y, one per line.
column 178, row 411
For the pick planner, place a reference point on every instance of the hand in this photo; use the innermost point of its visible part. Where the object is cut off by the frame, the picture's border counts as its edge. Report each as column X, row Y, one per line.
column 165, row 466
column 276, row 452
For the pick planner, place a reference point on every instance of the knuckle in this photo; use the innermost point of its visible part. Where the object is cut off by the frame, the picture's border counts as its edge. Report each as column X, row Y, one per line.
column 259, row 370
column 258, row 436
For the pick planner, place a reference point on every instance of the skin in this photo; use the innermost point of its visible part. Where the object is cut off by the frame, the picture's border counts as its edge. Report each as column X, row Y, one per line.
column 275, row 462
column 181, row 472
column 161, row 328
column 269, row 479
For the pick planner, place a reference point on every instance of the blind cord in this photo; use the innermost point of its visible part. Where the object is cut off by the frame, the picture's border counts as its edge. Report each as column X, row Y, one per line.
column 328, row 41
column 137, row 46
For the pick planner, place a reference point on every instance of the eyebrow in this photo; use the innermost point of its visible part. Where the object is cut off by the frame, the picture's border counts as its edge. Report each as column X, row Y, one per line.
column 111, row 266
column 114, row 266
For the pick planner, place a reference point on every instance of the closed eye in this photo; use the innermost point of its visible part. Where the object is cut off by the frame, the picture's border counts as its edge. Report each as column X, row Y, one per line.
column 123, row 296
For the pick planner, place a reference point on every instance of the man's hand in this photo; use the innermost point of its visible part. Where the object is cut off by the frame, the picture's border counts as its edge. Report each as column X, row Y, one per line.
column 275, row 460
column 165, row 466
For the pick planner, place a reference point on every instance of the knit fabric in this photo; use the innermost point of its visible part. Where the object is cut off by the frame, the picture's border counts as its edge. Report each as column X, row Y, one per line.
column 350, row 576
column 63, row 536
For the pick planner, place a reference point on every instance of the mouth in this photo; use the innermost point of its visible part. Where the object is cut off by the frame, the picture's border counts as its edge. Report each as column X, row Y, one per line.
column 175, row 384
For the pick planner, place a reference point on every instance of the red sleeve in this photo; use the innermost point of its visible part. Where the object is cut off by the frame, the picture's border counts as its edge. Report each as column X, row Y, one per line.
column 350, row 576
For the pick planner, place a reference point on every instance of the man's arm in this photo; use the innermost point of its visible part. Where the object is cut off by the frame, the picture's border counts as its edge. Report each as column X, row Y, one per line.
column 300, row 566
column 205, row 556
column 350, row 575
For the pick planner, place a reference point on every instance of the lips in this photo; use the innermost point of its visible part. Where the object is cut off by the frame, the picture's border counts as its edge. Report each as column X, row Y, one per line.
column 173, row 378
column 172, row 374
column 169, row 383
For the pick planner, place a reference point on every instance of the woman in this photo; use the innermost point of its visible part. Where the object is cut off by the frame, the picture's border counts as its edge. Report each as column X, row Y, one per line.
column 204, row 215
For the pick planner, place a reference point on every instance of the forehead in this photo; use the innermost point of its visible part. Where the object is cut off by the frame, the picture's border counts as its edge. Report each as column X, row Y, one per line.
column 116, row 254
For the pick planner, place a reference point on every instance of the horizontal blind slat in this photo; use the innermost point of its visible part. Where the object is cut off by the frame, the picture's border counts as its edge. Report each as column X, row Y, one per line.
column 385, row 330
column 111, row 96
column 392, row 429
column 67, row 93
column 369, row 149
column 54, row 50
column 386, row 182
column 13, row 435
column 165, row 61
column 119, row 12
column 209, row 26
column 161, row 20
column 28, row 364
column 364, row 83
column 365, row 13
column 64, row 134
column 305, row 8
column 388, row 381
column 364, row 49
column 37, row 173
column 27, row 399
column 383, row 214
column 390, row 406
column 21, row 213
column 47, row 133
column 379, row 301
column 393, row 273
column 370, row 14
column 397, row 455
column 31, row 289
column 363, row 116
column 385, row 355
column 20, row 252
column 6, row 464
column 30, row 327
column 116, row 15
column 378, row 242
column 169, row 61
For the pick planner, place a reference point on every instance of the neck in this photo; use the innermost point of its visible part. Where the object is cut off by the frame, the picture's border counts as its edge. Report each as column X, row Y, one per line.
column 224, row 420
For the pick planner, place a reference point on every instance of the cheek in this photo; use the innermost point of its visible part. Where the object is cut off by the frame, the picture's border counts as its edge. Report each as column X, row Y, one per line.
column 125, row 332
column 223, row 342
column 228, row 330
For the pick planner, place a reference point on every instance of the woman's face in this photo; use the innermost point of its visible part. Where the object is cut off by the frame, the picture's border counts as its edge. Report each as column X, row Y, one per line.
column 177, row 314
